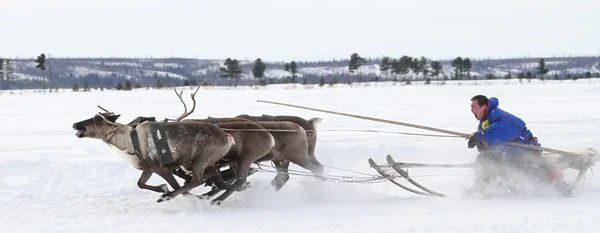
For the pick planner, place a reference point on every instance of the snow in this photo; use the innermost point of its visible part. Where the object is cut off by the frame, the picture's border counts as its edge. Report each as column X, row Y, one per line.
column 52, row 181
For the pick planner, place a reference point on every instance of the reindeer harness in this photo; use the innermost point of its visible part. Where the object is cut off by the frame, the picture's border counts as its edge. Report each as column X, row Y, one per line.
column 157, row 131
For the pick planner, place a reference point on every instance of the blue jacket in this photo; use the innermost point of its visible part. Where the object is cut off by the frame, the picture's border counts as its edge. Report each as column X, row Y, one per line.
column 498, row 127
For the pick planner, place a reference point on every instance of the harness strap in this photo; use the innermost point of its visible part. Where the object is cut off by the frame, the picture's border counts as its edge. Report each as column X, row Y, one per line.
column 265, row 117
column 160, row 141
column 137, row 151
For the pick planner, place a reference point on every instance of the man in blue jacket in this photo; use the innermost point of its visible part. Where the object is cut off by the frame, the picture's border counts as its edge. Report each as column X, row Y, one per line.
column 497, row 127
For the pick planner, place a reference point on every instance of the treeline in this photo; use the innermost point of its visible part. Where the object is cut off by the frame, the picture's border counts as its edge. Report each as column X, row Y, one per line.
column 127, row 74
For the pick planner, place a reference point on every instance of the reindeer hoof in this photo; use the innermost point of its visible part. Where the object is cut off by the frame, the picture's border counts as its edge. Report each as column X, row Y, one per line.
column 244, row 187
column 216, row 202
column 164, row 188
column 164, row 197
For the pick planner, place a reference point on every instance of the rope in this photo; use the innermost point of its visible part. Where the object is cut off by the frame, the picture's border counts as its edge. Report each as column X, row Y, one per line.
column 342, row 130
column 335, row 178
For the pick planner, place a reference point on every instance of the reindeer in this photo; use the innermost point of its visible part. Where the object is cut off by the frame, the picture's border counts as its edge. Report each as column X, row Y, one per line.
column 291, row 145
column 310, row 126
column 253, row 142
column 159, row 147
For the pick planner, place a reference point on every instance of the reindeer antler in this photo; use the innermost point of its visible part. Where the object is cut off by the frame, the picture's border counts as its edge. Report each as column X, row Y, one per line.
column 105, row 111
column 103, row 108
column 193, row 96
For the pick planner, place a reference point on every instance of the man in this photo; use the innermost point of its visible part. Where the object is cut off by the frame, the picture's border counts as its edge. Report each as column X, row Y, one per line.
column 497, row 127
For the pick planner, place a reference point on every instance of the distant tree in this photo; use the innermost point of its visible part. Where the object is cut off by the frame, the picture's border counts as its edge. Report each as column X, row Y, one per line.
column 597, row 74
column 258, row 71
column 186, row 83
column 127, row 86
column 467, row 66
column 86, row 87
column 231, row 70
column 541, row 68
column 403, row 66
column 75, row 87
column 436, row 66
column 588, row 74
column 294, row 70
column 119, row 86
column 8, row 71
column 555, row 76
column 423, row 66
column 321, row 82
column 521, row 76
column 286, row 67
column 385, row 65
column 508, row 76
column 41, row 62
column 355, row 63
column 457, row 63
column 291, row 67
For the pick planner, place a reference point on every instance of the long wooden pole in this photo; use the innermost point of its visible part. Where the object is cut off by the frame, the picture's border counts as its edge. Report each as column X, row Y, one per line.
column 566, row 153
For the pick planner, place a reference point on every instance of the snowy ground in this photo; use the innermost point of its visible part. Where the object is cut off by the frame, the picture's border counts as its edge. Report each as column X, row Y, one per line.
column 51, row 181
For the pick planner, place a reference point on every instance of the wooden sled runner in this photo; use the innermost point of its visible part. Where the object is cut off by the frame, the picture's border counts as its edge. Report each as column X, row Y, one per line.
column 393, row 170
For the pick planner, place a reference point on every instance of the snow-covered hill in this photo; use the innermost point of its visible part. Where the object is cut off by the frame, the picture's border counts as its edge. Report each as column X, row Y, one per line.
column 110, row 71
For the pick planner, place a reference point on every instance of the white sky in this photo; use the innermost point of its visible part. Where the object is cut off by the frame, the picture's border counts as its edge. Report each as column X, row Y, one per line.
column 299, row 29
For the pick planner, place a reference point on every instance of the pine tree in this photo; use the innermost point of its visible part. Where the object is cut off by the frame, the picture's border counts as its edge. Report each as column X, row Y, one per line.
column 231, row 70
column 467, row 66
column 86, row 87
column 41, row 62
column 9, row 72
column 541, row 68
column 437, row 68
column 385, row 65
column 258, row 71
column 127, row 86
column 75, row 87
column 355, row 62
column 423, row 66
column 457, row 63
column 294, row 70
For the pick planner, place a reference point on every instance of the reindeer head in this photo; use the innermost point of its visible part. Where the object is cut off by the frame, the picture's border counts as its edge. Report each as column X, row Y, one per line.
column 94, row 126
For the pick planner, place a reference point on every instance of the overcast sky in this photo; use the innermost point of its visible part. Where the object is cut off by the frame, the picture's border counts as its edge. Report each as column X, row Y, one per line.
column 277, row 30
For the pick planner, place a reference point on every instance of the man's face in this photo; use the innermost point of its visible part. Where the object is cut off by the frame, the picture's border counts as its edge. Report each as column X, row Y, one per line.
column 477, row 110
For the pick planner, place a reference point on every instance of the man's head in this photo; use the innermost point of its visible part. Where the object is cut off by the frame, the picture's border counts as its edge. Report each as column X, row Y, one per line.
column 479, row 106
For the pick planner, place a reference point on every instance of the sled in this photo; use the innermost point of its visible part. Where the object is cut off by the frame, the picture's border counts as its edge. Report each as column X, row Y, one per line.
column 392, row 170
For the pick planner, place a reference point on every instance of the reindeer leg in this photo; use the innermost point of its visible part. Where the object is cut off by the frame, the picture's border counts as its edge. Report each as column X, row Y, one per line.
column 146, row 174
column 315, row 167
column 198, row 167
column 168, row 176
column 218, row 183
column 181, row 174
column 282, row 174
column 241, row 178
column 217, row 179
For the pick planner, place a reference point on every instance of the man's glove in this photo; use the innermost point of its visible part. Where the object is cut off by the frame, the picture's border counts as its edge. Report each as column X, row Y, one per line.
column 473, row 140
